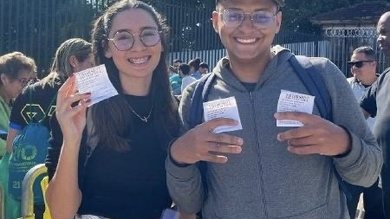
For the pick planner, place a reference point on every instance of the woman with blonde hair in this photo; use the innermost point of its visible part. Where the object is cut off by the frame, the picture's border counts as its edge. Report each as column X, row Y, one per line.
column 37, row 102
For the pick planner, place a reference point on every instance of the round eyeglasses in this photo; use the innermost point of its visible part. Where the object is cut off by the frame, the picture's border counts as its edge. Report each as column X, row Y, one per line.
column 260, row 19
column 25, row 81
column 124, row 40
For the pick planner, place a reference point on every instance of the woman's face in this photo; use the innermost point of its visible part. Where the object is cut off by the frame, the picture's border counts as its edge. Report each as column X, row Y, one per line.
column 134, row 44
column 79, row 66
column 13, row 87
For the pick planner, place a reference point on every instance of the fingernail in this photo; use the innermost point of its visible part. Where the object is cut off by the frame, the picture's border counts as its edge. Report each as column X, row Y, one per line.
column 278, row 137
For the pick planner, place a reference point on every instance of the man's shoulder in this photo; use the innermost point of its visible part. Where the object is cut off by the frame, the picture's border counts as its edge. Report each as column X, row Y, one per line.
column 351, row 80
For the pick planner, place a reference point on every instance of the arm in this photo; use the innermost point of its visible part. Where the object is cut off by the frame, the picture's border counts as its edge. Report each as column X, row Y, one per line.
column 12, row 133
column 348, row 140
column 365, row 113
column 197, row 144
column 63, row 193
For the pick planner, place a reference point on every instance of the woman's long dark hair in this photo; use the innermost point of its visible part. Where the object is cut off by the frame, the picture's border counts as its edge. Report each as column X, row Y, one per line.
column 112, row 118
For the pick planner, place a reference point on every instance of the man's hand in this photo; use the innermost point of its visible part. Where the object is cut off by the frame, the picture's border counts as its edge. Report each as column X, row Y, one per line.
column 317, row 136
column 201, row 143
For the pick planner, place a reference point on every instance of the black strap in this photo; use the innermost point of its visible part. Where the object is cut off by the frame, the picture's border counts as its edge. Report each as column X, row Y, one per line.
column 314, row 83
column 200, row 96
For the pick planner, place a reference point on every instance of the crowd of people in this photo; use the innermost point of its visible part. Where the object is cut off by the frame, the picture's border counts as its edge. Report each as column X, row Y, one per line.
column 182, row 74
column 257, row 153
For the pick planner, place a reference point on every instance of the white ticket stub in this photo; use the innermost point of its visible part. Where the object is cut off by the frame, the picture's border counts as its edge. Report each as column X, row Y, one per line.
column 222, row 108
column 293, row 102
column 95, row 80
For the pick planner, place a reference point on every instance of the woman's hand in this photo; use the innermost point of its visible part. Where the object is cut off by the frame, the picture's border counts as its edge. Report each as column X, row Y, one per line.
column 71, row 110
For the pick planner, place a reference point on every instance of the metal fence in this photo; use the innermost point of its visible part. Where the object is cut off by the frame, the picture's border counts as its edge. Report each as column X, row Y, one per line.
column 37, row 27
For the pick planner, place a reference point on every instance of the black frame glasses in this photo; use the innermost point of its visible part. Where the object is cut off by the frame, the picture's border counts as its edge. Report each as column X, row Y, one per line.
column 260, row 19
column 358, row 64
column 123, row 40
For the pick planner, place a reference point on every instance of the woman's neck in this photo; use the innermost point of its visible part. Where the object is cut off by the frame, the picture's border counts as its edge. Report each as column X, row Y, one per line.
column 5, row 97
column 136, row 86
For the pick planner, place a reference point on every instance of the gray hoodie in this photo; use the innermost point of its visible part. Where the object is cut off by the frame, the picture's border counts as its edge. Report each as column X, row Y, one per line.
column 265, row 180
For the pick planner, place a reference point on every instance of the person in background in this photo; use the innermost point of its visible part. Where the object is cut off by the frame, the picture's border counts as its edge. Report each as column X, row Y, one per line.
column 363, row 68
column 36, row 103
column 16, row 71
column 263, row 170
column 176, row 64
column 174, row 77
column 108, row 160
column 194, row 66
column 185, row 74
column 203, row 68
column 376, row 103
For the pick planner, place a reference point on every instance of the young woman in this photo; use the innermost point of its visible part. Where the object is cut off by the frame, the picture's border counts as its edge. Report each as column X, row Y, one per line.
column 36, row 102
column 126, row 136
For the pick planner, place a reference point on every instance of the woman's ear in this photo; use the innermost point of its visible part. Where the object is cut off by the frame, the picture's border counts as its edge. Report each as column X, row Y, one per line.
column 73, row 61
column 107, row 51
column 4, row 79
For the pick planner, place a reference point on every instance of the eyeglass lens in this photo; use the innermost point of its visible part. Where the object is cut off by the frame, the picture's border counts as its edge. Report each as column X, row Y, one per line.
column 24, row 81
column 358, row 64
column 124, row 40
column 234, row 18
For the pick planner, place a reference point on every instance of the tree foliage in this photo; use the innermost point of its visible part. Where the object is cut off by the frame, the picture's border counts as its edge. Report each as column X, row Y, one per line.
column 37, row 27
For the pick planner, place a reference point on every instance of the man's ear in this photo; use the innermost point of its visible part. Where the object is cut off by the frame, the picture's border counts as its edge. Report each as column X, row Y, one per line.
column 278, row 20
column 215, row 19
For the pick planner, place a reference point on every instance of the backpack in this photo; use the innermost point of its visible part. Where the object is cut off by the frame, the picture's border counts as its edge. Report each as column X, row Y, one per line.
column 311, row 79
column 29, row 148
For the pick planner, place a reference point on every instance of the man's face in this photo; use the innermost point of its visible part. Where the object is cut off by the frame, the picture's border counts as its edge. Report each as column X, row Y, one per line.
column 383, row 30
column 363, row 68
column 176, row 66
column 203, row 70
column 247, row 27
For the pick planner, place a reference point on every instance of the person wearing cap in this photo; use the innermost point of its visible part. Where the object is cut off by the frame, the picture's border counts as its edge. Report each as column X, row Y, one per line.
column 261, row 170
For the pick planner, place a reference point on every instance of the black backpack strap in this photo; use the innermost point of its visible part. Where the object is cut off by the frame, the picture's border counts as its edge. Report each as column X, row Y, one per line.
column 195, row 116
column 314, row 83
column 199, row 96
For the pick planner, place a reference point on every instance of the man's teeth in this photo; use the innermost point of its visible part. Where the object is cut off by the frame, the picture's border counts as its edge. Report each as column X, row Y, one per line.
column 246, row 40
column 139, row 60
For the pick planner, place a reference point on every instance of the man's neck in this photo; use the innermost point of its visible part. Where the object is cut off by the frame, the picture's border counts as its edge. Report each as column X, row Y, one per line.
column 368, row 81
column 251, row 71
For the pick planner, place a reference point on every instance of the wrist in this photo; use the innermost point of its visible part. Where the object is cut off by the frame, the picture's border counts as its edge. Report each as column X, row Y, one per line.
column 171, row 157
column 348, row 146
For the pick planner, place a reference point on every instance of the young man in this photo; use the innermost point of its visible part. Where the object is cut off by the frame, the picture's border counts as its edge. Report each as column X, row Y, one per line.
column 376, row 103
column 363, row 68
column 261, row 170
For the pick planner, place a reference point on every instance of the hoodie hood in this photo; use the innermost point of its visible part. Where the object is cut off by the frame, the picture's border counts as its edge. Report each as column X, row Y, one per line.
column 280, row 56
